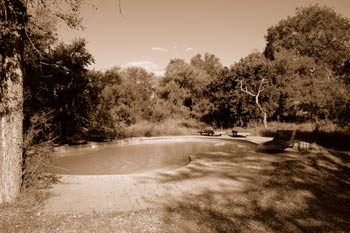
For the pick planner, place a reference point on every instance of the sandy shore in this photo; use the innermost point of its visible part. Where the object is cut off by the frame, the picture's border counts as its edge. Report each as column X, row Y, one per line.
column 86, row 194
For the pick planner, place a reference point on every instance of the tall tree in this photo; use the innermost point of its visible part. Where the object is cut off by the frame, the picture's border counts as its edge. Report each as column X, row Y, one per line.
column 13, row 37
column 317, row 32
column 13, row 18
column 308, row 90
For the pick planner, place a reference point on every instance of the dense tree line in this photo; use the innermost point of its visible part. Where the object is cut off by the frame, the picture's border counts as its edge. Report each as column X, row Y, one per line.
column 302, row 75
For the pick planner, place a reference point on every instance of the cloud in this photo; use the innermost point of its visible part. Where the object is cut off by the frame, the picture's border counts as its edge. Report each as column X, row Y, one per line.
column 188, row 49
column 159, row 49
column 147, row 65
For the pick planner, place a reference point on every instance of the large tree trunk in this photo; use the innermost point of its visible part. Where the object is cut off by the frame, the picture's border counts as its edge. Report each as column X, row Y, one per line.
column 11, row 133
column 11, row 98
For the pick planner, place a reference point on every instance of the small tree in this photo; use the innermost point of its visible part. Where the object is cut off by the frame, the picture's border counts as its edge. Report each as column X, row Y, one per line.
column 257, row 78
column 257, row 95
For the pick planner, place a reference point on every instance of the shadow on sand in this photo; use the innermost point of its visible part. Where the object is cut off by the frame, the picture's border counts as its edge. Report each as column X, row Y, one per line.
column 277, row 193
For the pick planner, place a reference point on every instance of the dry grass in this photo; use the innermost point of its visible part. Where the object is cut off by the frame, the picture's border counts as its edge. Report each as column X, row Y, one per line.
column 169, row 127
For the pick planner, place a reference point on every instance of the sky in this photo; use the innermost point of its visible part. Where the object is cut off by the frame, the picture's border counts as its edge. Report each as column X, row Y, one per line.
column 149, row 33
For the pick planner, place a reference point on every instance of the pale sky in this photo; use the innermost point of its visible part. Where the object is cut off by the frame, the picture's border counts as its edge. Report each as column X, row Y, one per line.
column 154, row 31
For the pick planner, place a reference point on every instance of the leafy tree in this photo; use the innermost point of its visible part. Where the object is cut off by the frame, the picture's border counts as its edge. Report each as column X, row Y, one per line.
column 257, row 78
column 309, row 90
column 177, row 86
column 135, row 95
column 316, row 32
column 209, row 64
column 185, row 86
column 103, row 89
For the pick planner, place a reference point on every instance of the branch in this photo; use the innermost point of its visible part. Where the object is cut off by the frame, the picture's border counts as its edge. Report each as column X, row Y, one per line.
column 260, row 87
column 246, row 89
column 31, row 42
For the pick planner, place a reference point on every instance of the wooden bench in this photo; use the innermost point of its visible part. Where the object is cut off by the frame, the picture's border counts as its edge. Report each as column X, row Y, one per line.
column 209, row 132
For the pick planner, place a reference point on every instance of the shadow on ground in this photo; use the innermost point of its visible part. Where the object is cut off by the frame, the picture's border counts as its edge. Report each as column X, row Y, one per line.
column 283, row 193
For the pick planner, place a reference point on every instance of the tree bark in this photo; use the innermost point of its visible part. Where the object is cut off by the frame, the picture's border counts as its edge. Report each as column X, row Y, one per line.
column 262, row 111
column 11, row 133
column 13, row 16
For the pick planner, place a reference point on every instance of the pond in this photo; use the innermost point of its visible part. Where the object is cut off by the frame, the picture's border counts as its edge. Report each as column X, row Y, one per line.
column 138, row 155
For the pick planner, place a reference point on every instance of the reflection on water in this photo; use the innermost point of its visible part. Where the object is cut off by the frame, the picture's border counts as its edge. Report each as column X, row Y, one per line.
column 134, row 158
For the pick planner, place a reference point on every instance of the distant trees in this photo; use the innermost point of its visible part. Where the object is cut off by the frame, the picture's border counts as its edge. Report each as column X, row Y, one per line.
column 186, row 85
column 119, row 98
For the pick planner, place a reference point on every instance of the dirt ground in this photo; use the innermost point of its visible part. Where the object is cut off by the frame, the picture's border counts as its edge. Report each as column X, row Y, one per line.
column 237, row 191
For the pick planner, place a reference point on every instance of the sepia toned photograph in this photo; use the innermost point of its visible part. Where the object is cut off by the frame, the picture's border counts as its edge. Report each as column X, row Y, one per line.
column 174, row 116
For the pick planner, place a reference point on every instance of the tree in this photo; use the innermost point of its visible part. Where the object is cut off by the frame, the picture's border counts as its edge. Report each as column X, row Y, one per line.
column 228, row 109
column 13, row 18
column 13, row 37
column 209, row 64
column 316, row 32
column 103, row 90
column 184, row 86
column 257, row 97
column 259, row 77
column 65, row 87
column 134, row 100
column 310, row 90
column 177, row 85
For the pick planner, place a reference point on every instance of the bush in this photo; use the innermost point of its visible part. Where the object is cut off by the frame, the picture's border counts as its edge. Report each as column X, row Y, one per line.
column 37, row 153
column 37, row 158
column 163, row 128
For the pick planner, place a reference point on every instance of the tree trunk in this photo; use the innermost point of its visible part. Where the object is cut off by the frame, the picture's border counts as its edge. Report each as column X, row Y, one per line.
column 11, row 132
column 262, row 111
column 13, row 17
column 265, row 120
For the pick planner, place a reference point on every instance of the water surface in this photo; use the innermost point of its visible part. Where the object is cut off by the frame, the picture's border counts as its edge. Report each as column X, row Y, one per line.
column 126, row 158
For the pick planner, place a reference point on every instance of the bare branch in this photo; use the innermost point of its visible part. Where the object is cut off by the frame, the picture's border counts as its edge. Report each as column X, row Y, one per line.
column 32, row 44
column 246, row 89
column 260, row 87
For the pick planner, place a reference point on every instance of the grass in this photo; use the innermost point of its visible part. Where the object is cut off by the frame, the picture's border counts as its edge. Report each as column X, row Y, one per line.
column 168, row 127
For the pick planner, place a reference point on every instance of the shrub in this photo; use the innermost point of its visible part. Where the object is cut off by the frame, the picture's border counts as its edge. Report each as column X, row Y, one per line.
column 161, row 128
column 37, row 153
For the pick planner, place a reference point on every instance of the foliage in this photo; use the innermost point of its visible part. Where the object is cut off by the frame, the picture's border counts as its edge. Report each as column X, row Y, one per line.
column 308, row 90
column 185, row 85
column 38, row 148
column 234, row 107
column 60, row 87
column 316, row 32
column 166, row 127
